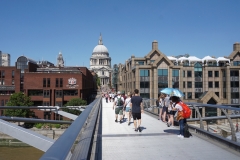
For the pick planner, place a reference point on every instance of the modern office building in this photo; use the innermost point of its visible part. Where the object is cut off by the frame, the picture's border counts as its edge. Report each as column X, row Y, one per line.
column 100, row 63
column 207, row 80
column 6, row 59
column 46, row 84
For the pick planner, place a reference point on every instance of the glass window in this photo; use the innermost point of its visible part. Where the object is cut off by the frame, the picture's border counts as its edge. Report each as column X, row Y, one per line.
column 144, row 73
column 35, row 92
column 162, row 72
column 236, row 63
column 198, row 84
column 189, row 95
column 144, row 84
column 183, row 73
column 216, row 84
column 234, row 83
column 216, row 73
column 234, row 73
column 70, row 92
column 198, row 94
column 3, row 74
column 189, row 84
column 13, row 73
column 189, row 73
column 175, row 72
column 48, row 82
column 61, row 82
column 210, row 74
column 22, row 63
column 141, row 62
column 56, row 84
column 210, row 84
column 184, row 85
column 44, row 82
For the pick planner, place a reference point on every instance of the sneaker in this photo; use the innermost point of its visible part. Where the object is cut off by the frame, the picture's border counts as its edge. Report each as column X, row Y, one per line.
column 116, row 120
column 120, row 121
column 168, row 124
column 139, row 129
column 180, row 136
column 136, row 130
column 129, row 123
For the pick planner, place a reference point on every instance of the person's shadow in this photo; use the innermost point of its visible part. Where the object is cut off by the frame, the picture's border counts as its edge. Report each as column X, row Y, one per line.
column 172, row 131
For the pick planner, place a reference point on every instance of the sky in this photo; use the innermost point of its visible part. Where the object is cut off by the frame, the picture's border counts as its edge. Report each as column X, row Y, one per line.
column 40, row 29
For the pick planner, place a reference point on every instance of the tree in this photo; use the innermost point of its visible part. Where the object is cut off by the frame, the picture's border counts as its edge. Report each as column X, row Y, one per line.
column 74, row 102
column 98, row 81
column 19, row 99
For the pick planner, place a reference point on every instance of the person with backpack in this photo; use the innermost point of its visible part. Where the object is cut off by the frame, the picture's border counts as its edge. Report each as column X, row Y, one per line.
column 118, row 105
column 183, row 112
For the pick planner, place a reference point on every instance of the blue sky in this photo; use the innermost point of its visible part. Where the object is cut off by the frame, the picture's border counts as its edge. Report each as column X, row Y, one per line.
column 39, row 29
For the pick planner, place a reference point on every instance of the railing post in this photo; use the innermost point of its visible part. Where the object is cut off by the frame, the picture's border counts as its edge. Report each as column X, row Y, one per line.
column 200, row 117
column 231, row 125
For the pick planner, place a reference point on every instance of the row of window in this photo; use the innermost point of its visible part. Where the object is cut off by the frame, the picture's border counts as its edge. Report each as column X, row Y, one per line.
column 47, row 82
column 47, row 93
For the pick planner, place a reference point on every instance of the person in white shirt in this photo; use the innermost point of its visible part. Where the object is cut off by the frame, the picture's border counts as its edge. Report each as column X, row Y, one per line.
column 128, row 107
column 164, row 101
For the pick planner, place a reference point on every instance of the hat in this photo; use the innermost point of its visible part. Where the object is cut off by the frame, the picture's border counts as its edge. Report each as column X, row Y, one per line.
column 118, row 92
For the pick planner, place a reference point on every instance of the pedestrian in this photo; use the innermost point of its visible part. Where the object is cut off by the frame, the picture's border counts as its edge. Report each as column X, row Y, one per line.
column 164, row 103
column 128, row 107
column 137, row 108
column 124, row 107
column 118, row 105
column 106, row 97
column 237, row 127
column 158, row 101
column 171, row 113
column 179, row 117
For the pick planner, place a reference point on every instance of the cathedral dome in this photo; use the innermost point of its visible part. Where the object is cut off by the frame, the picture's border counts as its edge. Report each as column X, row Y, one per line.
column 100, row 49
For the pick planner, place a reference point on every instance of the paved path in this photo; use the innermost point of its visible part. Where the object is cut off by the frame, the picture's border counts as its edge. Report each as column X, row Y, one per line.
column 155, row 142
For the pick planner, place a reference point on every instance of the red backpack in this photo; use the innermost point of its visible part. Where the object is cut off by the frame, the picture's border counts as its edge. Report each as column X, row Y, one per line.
column 186, row 110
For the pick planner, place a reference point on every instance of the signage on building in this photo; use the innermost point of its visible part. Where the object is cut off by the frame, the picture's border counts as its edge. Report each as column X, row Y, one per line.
column 7, row 88
column 72, row 83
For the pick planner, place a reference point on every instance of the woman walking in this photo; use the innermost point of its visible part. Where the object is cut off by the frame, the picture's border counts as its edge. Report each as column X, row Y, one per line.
column 127, row 106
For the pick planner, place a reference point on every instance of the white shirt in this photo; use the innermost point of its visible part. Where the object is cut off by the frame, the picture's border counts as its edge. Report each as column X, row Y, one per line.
column 127, row 102
column 179, row 107
column 165, row 101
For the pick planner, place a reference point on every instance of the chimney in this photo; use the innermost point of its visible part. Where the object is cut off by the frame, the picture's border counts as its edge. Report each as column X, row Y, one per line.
column 236, row 46
column 154, row 45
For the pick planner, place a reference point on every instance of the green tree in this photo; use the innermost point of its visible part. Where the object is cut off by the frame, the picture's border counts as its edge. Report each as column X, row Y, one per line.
column 97, row 80
column 19, row 99
column 74, row 102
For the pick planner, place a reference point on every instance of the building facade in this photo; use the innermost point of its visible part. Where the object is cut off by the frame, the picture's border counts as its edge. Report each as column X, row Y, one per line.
column 100, row 63
column 208, row 80
column 46, row 84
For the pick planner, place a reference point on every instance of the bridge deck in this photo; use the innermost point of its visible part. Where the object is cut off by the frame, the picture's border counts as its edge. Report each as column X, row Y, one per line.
column 156, row 141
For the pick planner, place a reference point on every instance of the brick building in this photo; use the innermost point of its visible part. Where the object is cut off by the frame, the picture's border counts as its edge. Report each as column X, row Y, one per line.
column 46, row 84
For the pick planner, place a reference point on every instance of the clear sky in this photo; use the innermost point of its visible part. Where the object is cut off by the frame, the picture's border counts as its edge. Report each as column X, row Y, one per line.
column 39, row 29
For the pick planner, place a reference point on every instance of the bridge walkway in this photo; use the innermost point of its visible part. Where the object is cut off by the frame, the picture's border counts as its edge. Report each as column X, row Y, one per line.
column 156, row 141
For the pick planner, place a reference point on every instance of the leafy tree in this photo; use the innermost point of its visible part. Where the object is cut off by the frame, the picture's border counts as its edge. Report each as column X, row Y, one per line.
column 19, row 99
column 74, row 102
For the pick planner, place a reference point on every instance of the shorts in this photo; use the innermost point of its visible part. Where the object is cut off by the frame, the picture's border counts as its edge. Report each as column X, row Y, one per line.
column 119, row 110
column 136, row 116
column 127, row 109
column 172, row 112
column 164, row 109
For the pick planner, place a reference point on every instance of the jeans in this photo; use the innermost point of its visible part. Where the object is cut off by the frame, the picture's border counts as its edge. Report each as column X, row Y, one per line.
column 181, row 124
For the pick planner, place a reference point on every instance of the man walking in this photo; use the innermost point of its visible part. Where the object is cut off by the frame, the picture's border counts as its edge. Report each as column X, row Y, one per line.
column 118, row 102
column 137, row 109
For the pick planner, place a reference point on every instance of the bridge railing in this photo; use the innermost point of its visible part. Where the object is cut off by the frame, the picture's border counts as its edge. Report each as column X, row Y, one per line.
column 226, row 112
column 78, row 141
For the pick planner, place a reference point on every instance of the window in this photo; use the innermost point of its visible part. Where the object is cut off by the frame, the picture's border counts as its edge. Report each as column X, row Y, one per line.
column 13, row 82
column 216, row 84
column 210, row 84
column 189, row 84
column 236, row 63
column 35, row 92
column 46, row 93
column 198, row 84
column 102, row 72
column 234, row 73
column 48, row 82
column 13, row 73
column 183, row 73
column 175, row 73
column 189, row 73
column 144, row 73
column 234, row 84
column 189, row 95
column 162, row 72
column 144, row 84
column 198, row 94
column 61, row 82
column 70, row 92
column 58, row 93
column 57, row 82
column 141, row 62
column 44, row 82
column 198, row 70
column 184, row 85
column 216, row 73
column 210, row 74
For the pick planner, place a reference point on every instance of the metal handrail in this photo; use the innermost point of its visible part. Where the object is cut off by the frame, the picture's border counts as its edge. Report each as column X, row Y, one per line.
column 61, row 149
column 201, row 119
